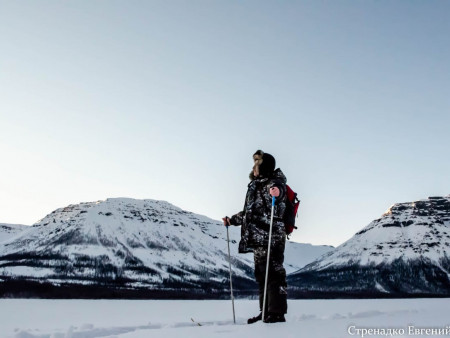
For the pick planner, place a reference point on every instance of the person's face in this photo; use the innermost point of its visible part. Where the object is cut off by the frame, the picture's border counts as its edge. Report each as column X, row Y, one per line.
column 256, row 168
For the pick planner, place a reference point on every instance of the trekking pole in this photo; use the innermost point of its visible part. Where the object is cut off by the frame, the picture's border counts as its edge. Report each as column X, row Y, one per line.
column 231, row 275
column 268, row 258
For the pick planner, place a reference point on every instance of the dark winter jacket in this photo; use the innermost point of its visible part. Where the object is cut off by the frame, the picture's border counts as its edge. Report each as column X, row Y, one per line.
column 255, row 217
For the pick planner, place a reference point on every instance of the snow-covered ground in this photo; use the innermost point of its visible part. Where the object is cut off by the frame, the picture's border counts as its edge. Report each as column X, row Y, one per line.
column 29, row 318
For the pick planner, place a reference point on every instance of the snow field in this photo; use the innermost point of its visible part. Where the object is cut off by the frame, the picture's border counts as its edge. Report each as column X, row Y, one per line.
column 31, row 318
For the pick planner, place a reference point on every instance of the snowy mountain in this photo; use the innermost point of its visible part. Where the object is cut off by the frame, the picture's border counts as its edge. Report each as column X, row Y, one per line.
column 8, row 231
column 130, row 248
column 406, row 252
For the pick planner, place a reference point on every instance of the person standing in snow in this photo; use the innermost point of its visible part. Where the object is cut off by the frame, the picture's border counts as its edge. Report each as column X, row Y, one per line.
column 254, row 220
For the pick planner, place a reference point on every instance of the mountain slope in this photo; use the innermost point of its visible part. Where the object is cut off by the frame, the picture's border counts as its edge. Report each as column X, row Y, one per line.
column 406, row 252
column 127, row 247
column 8, row 231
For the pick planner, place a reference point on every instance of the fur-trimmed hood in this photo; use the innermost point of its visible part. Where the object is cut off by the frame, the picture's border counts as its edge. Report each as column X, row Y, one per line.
column 264, row 165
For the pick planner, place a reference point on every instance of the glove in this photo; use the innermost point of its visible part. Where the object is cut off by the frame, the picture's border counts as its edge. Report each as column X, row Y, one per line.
column 274, row 191
column 226, row 221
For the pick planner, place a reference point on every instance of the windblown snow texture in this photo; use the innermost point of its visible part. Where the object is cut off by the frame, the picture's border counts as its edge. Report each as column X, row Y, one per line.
column 24, row 318
column 404, row 253
column 129, row 248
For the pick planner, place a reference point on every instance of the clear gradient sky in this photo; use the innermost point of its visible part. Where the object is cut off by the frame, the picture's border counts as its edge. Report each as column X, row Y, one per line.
column 170, row 99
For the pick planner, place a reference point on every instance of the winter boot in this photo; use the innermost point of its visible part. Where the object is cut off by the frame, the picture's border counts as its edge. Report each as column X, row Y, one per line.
column 254, row 319
column 275, row 318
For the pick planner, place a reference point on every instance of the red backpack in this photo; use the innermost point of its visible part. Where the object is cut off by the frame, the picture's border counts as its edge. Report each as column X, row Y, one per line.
column 292, row 204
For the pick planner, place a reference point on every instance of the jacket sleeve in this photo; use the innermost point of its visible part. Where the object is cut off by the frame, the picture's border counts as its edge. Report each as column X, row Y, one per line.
column 237, row 219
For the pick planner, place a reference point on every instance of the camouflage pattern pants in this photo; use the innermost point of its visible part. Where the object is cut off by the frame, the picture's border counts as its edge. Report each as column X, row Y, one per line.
column 276, row 301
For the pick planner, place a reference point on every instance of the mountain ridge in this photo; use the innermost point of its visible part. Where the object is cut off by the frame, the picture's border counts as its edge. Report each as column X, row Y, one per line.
column 124, row 246
column 405, row 252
